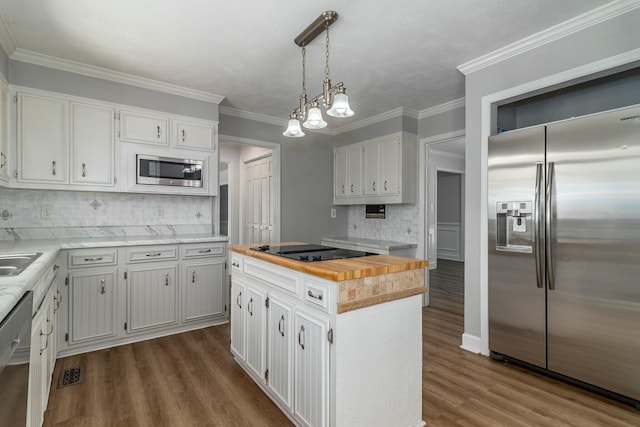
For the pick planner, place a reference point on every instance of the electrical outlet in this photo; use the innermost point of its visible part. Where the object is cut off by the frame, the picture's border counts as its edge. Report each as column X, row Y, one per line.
column 333, row 212
column 406, row 215
column 46, row 212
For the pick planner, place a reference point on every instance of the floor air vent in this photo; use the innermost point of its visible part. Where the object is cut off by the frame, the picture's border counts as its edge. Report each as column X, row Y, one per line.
column 71, row 376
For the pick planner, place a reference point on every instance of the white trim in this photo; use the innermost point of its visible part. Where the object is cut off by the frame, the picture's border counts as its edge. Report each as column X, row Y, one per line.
column 447, row 154
column 472, row 343
column 276, row 150
column 391, row 114
column 111, row 75
column 6, row 39
column 563, row 29
column 442, row 108
column 229, row 111
column 460, row 133
column 488, row 105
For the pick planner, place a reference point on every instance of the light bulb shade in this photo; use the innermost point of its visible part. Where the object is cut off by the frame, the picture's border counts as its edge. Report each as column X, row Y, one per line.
column 293, row 129
column 314, row 119
column 340, row 106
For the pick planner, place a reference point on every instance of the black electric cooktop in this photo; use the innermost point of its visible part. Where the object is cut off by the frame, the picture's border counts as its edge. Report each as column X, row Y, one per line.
column 310, row 253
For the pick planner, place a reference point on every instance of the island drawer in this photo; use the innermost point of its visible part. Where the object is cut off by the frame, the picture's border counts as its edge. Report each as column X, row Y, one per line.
column 152, row 253
column 237, row 263
column 317, row 294
column 92, row 257
column 281, row 277
column 202, row 250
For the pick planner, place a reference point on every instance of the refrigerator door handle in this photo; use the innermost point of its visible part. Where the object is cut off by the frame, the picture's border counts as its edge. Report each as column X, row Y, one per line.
column 548, row 227
column 537, row 209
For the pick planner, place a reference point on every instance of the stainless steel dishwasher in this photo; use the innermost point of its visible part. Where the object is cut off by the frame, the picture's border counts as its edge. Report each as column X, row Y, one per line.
column 15, row 346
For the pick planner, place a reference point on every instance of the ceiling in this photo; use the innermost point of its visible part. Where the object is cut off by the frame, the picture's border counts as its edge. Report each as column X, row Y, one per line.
column 388, row 53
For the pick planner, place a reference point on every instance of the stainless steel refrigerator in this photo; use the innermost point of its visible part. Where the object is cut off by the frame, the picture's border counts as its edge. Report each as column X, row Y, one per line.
column 564, row 248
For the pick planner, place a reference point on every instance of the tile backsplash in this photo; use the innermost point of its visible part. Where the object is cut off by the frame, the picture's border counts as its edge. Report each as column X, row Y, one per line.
column 400, row 224
column 54, row 209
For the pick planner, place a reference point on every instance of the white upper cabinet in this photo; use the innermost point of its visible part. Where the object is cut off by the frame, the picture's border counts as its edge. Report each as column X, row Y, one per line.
column 144, row 128
column 195, row 135
column 4, row 132
column 92, row 144
column 43, row 139
column 384, row 172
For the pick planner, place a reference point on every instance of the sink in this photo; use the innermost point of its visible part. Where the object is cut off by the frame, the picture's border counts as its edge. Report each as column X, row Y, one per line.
column 14, row 264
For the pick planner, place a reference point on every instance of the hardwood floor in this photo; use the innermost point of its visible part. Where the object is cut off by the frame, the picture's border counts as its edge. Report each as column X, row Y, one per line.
column 446, row 286
column 191, row 379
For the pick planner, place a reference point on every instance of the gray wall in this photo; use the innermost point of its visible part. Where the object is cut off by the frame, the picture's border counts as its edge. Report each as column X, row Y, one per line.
column 375, row 130
column 449, row 197
column 603, row 40
column 306, row 185
column 4, row 64
column 442, row 123
column 45, row 78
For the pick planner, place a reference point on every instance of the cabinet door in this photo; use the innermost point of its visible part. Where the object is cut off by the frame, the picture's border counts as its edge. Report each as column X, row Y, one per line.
column 145, row 128
column 340, row 173
column 371, row 162
column 195, row 135
column 279, row 348
column 151, row 297
column 4, row 133
column 256, row 317
column 203, row 290
column 355, row 171
column 238, row 302
column 390, row 167
column 37, row 370
column 92, row 305
column 43, row 139
column 311, row 370
column 92, row 144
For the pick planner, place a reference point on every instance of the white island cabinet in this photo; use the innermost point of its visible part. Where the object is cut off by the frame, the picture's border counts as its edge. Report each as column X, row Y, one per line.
column 332, row 343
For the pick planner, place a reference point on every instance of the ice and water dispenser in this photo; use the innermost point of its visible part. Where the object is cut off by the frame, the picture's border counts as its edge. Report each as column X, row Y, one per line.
column 514, row 226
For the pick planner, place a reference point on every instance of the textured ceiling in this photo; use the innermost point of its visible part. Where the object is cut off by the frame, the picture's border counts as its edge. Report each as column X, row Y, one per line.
column 389, row 54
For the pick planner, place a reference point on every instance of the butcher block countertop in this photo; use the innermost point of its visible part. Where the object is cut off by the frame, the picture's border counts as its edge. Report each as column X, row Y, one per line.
column 340, row 269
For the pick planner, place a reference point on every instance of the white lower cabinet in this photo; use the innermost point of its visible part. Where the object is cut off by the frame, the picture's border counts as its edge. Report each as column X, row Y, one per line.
column 92, row 304
column 281, row 341
column 311, row 370
column 151, row 297
column 203, row 289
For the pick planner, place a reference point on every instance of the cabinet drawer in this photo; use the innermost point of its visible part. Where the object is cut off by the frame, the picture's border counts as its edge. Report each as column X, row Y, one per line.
column 317, row 294
column 151, row 253
column 275, row 275
column 237, row 263
column 92, row 257
column 202, row 250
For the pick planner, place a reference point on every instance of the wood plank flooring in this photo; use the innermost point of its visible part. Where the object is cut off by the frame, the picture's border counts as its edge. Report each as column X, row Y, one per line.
column 191, row 379
column 446, row 286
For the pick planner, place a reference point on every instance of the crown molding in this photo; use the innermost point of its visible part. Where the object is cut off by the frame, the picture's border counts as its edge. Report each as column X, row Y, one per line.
column 115, row 76
column 229, row 111
column 442, row 108
column 563, row 29
column 391, row 114
column 6, row 39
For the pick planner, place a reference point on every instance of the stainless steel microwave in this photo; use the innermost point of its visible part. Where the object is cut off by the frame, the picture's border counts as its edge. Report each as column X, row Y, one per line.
column 155, row 170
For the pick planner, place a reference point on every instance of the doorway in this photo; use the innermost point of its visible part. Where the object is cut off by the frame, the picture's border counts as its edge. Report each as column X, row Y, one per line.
column 445, row 224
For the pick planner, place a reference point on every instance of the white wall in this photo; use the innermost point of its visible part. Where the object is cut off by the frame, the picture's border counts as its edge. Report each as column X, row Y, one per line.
column 612, row 41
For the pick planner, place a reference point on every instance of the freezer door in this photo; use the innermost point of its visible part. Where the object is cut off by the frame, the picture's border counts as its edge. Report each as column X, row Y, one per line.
column 516, row 280
column 594, row 250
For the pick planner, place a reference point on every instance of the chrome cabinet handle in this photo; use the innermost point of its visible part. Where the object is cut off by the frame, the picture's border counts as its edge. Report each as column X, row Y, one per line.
column 93, row 259
column 55, row 267
column 46, row 343
column 184, row 136
column 51, row 331
column 249, row 307
column 154, row 255
column 3, row 160
column 158, row 134
column 166, row 279
column 193, row 276
column 549, row 223
column 537, row 212
column 84, row 170
column 281, row 325
column 235, row 264
column 374, row 186
column 53, row 168
column 301, row 337
column 312, row 295
column 238, row 299
column 58, row 300
column 352, row 188
column 342, row 188
column 102, row 288
column 385, row 186
column 203, row 251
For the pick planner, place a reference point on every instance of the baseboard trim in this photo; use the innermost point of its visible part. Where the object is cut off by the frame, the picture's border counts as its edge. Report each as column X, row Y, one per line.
column 471, row 343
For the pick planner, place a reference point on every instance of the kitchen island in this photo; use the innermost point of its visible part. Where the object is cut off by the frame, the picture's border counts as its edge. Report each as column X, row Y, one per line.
column 333, row 343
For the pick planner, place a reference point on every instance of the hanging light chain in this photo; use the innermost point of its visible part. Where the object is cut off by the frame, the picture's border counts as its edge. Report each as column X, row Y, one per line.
column 326, row 66
column 304, row 82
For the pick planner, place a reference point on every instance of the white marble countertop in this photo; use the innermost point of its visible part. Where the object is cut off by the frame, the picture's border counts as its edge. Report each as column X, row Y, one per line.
column 371, row 243
column 12, row 288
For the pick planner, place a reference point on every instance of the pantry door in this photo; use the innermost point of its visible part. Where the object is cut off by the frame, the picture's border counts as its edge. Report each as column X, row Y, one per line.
column 259, row 207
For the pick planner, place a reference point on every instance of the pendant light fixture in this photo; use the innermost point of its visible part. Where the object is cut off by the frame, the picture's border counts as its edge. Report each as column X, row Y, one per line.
column 333, row 98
